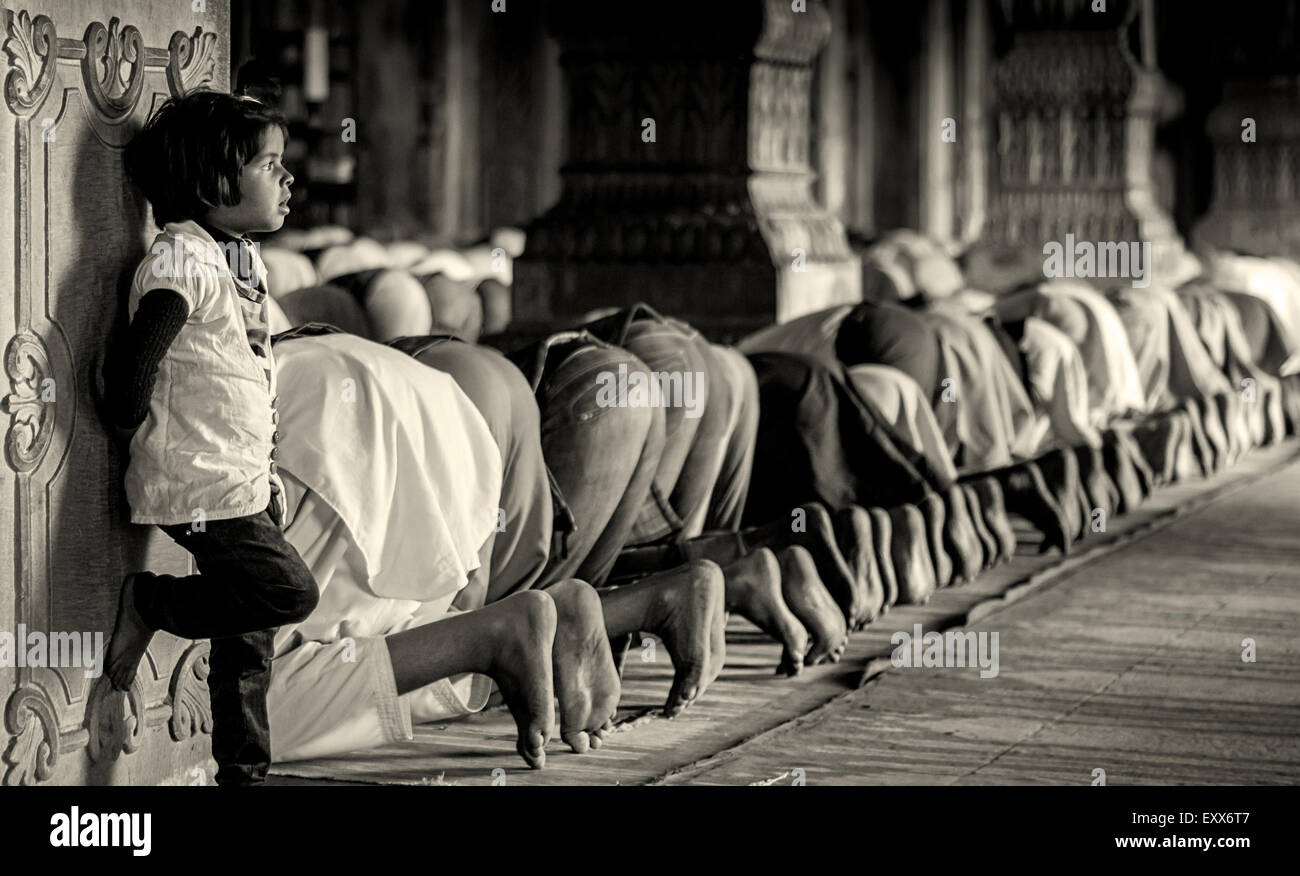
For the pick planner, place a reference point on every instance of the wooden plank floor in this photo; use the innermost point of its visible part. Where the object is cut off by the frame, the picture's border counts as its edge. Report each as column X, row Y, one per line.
column 1117, row 662
column 1131, row 664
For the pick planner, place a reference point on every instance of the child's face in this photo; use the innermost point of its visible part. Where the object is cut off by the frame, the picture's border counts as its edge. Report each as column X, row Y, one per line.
column 263, row 191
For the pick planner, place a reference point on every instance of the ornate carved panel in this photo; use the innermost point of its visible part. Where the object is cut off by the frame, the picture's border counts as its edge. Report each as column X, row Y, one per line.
column 74, row 94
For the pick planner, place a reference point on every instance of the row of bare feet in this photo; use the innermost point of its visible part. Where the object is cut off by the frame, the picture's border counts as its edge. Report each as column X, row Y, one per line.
column 809, row 587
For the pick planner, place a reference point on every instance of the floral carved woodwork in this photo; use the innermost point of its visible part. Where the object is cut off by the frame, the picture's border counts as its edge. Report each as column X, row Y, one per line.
column 27, row 368
column 29, row 47
column 191, row 708
column 33, row 749
column 113, row 67
column 191, row 61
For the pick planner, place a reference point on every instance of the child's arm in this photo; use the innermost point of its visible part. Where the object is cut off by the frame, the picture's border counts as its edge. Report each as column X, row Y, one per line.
column 157, row 321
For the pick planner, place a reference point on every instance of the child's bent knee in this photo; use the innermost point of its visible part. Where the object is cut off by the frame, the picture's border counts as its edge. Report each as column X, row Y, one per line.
column 299, row 598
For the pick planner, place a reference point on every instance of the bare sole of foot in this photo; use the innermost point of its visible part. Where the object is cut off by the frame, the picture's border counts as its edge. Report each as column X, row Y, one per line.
column 993, row 508
column 130, row 640
column 1158, row 437
column 1081, row 498
column 1119, row 465
column 754, row 592
column 690, row 618
column 959, row 537
column 586, row 681
column 1027, row 494
column 522, row 669
column 810, row 602
column 1061, row 474
column 1274, row 418
column 836, row 577
column 1215, row 432
column 1201, row 449
column 1228, row 407
column 882, row 533
column 817, row 536
column 1146, row 476
column 1097, row 486
column 988, row 544
column 935, row 514
column 909, row 547
column 853, row 532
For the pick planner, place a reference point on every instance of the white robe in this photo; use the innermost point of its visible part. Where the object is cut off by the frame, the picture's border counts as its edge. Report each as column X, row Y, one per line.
column 392, row 484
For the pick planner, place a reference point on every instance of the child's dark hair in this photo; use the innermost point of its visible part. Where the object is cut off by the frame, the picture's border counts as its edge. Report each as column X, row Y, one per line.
column 188, row 156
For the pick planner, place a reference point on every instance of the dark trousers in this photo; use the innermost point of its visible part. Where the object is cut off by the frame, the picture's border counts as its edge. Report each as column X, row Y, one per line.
column 603, row 459
column 250, row 581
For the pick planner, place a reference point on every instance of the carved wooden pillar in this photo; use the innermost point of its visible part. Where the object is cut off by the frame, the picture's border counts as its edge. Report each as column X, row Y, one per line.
column 1075, row 114
column 1255, row 201
column 714, row 220
column 75, row 91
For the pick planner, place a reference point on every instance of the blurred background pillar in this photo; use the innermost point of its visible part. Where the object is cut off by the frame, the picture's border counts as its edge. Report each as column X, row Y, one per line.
column 688, row 181
column 1255, row 194
column 1075, row 105
column 938, row 153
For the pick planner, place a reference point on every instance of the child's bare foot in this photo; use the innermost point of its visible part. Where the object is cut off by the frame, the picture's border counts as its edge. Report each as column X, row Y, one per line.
column 810, row 602
column 689, row 615
column 586, row 681
column 521, row 667
column 754, row 592
column 131, row 637
column 882, row 534
column 853, row 532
